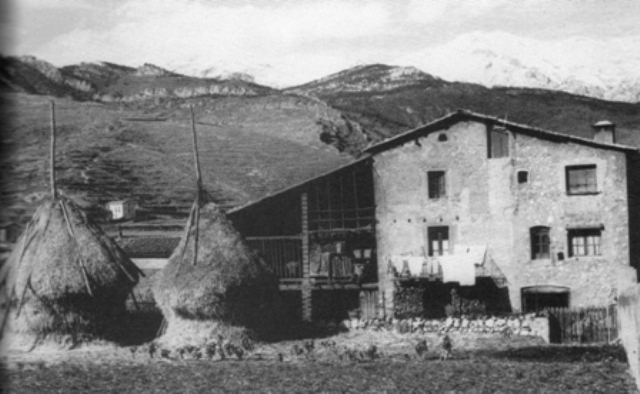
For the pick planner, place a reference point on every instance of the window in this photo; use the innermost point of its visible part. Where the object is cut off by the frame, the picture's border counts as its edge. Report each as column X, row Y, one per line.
column 438, row 240
column 584, row 242
column 498, row 143
column 581, row 180
column 523, row 176
column 442, row 138
column 437, row 186
column 540, row 242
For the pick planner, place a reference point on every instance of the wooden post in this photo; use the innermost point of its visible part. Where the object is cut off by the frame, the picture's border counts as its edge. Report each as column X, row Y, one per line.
column 195, row 148
column 54, row 190
column 608, row 323
column 196, row 218
column 306, row 290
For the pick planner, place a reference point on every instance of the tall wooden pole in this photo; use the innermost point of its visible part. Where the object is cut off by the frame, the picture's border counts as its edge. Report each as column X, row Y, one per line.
column 195, row 148
column 54, row 190
column 306, row 288
column 199, row 187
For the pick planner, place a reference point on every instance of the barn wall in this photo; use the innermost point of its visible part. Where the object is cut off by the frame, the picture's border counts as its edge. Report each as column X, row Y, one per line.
column 274, row 217
column 485, row 205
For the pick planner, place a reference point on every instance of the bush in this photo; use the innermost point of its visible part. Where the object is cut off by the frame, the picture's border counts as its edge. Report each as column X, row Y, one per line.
column 408, row 302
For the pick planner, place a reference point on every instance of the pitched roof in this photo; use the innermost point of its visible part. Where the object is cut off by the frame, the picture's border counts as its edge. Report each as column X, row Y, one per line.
column 159, row 247
column 462, row 115
column 439, row 124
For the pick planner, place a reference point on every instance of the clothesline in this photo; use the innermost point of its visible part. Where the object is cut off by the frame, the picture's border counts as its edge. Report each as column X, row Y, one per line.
column 459, row 267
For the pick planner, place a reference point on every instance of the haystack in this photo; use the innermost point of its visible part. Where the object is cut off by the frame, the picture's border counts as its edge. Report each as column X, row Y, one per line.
column 214, row 284
column 66, row 278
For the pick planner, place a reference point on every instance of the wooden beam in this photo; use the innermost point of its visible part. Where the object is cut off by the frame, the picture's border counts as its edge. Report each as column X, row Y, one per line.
column 54, row 190
column 198, row 186
column 195, row 148
column 327, row 286
column 307, row 292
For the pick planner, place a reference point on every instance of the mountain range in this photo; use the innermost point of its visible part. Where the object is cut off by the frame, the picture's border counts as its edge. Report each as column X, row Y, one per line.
column 125, row 132
column 600, row 68
column 606, row 69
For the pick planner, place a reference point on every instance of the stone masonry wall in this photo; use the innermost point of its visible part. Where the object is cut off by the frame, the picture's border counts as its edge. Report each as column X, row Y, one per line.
column 486, row 205
column 525, row 325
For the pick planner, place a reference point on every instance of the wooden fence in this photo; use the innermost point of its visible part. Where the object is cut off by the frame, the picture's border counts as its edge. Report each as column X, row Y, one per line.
column 583, row 325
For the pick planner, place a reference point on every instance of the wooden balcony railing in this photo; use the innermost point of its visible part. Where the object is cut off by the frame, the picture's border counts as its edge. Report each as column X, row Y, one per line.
column 283, row 254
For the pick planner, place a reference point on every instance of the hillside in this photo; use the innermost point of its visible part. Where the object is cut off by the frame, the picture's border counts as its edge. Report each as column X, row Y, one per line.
column 374, row 101
column 248, row 146
column 389, row 105
column 108, row 82
column 125, row 132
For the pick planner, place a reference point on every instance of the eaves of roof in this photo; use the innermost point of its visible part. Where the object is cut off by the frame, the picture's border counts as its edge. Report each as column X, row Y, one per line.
column 462, row 115
column 438, row 124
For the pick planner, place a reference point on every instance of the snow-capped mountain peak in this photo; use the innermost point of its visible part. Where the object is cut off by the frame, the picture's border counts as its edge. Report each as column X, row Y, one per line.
column 375, row 77
column 610, row 71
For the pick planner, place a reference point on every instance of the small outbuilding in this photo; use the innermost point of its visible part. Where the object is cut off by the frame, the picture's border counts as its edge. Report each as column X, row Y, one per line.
column 122, row 210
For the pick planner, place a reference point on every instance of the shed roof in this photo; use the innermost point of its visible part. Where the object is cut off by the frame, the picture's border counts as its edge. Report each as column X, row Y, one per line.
column 354, row 163
column 159, row 247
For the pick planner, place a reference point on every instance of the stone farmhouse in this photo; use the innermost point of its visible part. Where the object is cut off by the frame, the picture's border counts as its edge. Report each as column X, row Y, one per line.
column 513, row 216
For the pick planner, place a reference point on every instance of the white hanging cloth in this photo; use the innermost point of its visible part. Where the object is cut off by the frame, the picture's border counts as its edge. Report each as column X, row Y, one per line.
column 461, row 267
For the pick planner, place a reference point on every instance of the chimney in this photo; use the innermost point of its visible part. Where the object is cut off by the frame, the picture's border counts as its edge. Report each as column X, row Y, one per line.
column 604, row 131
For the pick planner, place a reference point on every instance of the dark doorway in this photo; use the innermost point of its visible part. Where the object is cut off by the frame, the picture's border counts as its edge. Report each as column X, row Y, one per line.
column 537, row 298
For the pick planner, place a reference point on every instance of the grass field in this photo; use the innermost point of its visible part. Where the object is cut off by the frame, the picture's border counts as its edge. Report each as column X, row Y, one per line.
column 479, row 375
column 248, row 148
column 507, row 368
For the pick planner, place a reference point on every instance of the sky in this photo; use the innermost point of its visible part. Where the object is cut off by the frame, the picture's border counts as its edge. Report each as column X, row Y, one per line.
column 297, row 41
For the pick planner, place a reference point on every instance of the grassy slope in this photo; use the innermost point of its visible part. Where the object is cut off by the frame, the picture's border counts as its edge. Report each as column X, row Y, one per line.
column 408, row 107
column 246, row 151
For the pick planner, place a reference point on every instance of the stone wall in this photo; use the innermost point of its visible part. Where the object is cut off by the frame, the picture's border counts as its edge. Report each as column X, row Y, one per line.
column 486, row 205
column 526, row 325
column 629, row 322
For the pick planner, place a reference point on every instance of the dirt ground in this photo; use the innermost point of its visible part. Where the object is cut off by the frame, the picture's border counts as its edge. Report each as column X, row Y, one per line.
column 484, row 363
column 388, row 343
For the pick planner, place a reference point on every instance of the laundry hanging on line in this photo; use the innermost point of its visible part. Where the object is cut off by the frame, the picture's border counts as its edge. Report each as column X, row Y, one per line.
column 461, row 267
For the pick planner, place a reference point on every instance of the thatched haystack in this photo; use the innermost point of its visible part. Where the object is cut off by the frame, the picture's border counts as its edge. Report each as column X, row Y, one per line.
column 215, row 285
column 66, row 278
